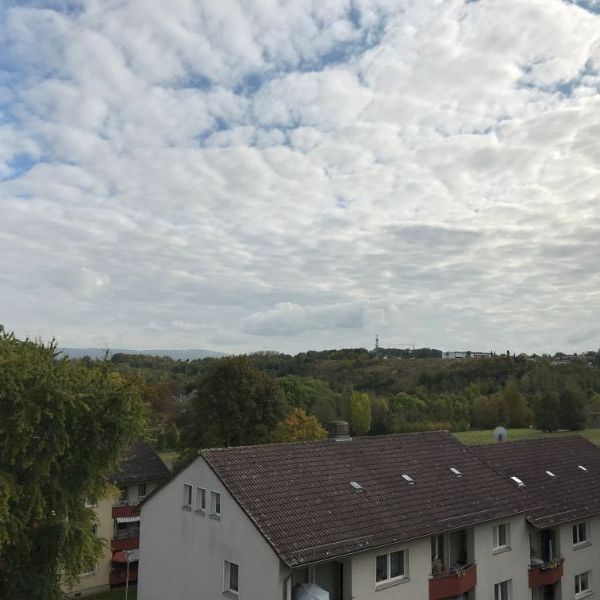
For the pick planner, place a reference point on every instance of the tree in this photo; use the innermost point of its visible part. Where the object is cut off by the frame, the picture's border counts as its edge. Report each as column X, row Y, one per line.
column 63, row 426
column 359, row 413
column 545, row 406
column 313, row 395
column 572, row 409
column 235, row 404
column 299, row 427
column 517, row 411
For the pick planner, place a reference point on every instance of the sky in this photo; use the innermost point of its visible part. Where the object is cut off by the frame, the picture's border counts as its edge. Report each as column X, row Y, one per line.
column 248, row 175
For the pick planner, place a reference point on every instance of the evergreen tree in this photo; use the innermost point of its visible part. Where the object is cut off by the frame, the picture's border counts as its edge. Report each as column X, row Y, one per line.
column 546, row 408
column 572, row 409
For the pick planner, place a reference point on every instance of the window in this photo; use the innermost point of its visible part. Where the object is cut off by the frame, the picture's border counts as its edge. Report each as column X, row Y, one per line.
column 200, row 500
column 231, row 578
column 580, row 533
column 215, row 503
column 582, row 583
column 501, row 536
column 390, row 567
column 187, row 496
column 123, row 495
column 141, row 490
column 503, row 590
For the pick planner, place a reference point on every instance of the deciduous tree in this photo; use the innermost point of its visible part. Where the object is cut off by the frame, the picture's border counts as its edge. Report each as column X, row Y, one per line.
column 359, row 413
column 299, row 427
column 62, row 428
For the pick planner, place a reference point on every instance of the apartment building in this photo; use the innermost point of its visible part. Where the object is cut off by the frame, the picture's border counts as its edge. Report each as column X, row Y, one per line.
column 141, row 471
column 400, row 517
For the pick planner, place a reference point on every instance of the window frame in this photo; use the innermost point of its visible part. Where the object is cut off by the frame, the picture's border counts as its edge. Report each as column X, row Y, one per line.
column 200, row 509
column 187, row 505
column 577, row 541
column 141, row 486
column 389, row 580
column 498, row 590
column 215, row 503
column 496, row 545
column 579, row 578
column 227, row 571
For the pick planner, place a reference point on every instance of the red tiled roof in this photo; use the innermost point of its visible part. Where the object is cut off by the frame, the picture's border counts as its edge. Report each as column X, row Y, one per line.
column 300, row 497
column 572, row 494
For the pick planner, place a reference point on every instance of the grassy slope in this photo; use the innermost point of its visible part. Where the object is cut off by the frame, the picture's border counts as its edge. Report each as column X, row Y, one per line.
column 486, row 436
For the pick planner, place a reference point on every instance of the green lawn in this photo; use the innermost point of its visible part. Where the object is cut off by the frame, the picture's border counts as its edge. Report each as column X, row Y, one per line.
column 116, row 594
column 486, row 436
column 168, row 456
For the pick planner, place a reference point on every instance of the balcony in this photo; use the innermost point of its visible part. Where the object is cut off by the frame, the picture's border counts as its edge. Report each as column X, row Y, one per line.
column 455, row 583
column 125, row 510
column 119, row 577
column 545, row 573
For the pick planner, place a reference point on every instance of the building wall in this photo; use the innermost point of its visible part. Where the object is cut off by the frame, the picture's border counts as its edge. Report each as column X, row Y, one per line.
column 99, row 580
column 581, row 558
column 182, row 552
column 495, row 567
column 416, row 586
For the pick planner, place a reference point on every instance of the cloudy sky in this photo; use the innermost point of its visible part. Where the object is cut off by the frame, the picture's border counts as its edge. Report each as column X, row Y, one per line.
column 266, row 174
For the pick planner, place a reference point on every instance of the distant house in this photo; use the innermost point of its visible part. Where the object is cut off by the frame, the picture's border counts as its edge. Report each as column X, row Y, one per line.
column 410, row 516
column 118, row 520
column 466, row 354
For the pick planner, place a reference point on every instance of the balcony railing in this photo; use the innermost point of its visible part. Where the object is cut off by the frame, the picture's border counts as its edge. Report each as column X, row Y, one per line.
column 120, row 577
column 130, row 543
column 455, row 582
column 125, row 510
column 545, row 573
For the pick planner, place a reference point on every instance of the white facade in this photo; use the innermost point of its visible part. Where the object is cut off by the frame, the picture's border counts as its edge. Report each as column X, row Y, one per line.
column 183, row 552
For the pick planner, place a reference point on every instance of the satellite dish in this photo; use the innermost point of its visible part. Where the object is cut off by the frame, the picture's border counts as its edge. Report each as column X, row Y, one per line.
column 500, row 434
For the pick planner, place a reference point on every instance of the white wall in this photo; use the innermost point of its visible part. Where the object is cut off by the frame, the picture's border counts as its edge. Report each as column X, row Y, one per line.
column 512, row 564
column 182, row 553
column 579, row 559
column 416, row 587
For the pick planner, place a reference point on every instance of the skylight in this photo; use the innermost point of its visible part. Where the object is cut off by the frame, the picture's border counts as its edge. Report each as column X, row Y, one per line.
column 582, row 467
column 517, row 481
column 550, row 473
column 456, row 471
column 356, row 486
column 408, row 478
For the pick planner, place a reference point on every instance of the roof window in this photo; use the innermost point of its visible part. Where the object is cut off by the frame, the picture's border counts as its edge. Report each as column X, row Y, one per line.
column 582, row 467
column 550, row 473
column 518, row 481
column 408, row 478
column 356, row 486
column 456, row 471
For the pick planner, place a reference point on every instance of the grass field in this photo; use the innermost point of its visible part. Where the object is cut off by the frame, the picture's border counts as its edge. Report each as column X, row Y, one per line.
column 116, row 594
column 168, row 456
column 486, row 436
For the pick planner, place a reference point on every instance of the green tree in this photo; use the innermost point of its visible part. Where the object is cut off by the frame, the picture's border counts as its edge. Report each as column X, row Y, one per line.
column 546, row 406
column 235, row 404
column 517, row 411
column 572, row 409
column 63, row 426
column 359, row 413
column 313, row 395
column 299, row 427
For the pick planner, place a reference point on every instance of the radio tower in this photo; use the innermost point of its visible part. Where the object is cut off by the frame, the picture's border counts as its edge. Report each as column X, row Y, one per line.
column 376, row 345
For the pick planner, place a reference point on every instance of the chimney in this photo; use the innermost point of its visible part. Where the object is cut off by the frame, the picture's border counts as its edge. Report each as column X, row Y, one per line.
column 339, row 431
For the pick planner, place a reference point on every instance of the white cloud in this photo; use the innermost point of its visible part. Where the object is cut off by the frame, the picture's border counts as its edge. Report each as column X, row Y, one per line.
column 249, row 175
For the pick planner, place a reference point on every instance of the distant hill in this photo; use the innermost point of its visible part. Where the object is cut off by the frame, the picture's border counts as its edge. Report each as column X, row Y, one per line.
column 192, row 354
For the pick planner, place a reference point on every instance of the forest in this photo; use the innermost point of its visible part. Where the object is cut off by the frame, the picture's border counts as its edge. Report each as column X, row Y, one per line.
column 269, row 396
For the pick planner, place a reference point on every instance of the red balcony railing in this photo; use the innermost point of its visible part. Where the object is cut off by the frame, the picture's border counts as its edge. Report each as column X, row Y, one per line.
column 125, row 510
column 456, row 583
column 120, row 577
column 546, row 573
column 130, row 543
